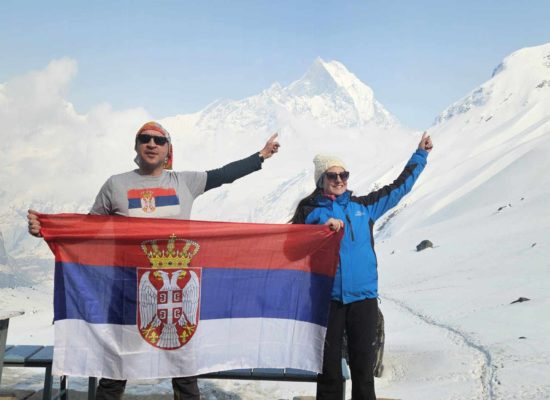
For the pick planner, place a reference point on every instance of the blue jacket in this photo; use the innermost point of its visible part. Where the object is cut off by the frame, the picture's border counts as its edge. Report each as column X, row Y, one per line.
column 357, row 276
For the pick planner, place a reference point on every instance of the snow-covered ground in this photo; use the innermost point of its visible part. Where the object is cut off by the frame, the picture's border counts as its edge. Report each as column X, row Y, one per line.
column 451, row 330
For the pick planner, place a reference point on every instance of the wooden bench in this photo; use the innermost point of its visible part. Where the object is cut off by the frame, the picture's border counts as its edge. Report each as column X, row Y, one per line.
column 36, row 357
column 258, row 374
column 42, row 356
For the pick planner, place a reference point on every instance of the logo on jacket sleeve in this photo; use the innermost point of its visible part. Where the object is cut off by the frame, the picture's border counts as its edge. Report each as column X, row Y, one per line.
column 168, row 293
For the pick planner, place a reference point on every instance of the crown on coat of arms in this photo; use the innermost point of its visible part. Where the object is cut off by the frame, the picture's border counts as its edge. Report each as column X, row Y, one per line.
column 172, row 253
column 147, row 194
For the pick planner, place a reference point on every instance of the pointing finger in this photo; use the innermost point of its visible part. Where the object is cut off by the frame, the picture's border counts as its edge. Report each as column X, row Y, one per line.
column 273, row 137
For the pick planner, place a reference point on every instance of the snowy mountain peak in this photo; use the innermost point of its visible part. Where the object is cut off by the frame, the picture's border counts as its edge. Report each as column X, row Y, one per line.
column 327, row 77
column 529, row 59
column 521, row 80
column 327, row 93
column 341, row 75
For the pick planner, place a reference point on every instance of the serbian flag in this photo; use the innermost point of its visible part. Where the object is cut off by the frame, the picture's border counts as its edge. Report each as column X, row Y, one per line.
column 163, row 201
column 157, row 298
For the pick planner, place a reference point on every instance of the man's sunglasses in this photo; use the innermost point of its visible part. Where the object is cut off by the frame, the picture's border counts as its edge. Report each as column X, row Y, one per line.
column 333, row 176
column 159, row 140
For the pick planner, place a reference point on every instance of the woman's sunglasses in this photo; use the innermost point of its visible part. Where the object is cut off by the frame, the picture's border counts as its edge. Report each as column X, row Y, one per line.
column 145, row 138
column 333, row 176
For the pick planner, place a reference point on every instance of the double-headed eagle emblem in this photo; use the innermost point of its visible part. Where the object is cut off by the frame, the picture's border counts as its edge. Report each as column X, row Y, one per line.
column 168, row 293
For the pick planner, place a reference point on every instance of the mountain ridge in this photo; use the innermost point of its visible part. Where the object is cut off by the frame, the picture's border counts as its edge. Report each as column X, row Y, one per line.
column 327, row 93
column 518, row 80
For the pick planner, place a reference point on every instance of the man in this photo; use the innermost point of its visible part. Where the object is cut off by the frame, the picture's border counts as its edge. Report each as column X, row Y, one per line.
column 154, row 191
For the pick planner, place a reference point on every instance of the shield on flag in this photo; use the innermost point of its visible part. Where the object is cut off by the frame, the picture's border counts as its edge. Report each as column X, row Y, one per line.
column 148, row 201
column 168, row 293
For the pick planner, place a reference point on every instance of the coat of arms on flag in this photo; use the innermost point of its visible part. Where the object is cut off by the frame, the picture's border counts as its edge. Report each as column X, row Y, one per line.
column 168, row 293
column 148, row 201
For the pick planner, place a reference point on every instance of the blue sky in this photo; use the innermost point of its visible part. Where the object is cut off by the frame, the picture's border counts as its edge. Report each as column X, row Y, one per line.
column 176, row 57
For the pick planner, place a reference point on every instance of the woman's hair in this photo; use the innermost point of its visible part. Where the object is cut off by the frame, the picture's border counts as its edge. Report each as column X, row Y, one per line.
column 298, row 217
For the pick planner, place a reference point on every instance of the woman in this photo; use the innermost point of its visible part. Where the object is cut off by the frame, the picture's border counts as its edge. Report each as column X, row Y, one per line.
column 354, row 293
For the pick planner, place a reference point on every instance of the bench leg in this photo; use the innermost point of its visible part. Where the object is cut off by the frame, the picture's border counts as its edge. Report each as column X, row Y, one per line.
column 63, row 389
column 47, row 392
column 92, row 388
column 4, row 323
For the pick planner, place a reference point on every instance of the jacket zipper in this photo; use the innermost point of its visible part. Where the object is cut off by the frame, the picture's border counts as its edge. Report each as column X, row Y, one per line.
column 350, row 228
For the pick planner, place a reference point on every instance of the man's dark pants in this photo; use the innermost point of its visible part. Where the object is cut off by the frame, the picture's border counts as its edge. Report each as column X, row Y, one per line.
column 359, row 320
column 184, row 389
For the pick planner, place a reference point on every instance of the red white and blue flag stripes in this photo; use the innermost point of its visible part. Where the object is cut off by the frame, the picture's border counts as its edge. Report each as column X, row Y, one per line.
column 155, row 298
column 163, row 202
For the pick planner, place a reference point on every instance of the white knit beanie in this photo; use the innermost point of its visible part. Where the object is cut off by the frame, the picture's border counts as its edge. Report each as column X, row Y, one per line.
column 322, row 162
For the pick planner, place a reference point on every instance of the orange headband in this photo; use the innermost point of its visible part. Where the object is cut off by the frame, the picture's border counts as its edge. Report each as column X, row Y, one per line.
column 155, row 126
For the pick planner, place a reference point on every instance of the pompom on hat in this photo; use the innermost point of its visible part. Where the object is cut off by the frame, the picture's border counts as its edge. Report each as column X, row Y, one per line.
column 155, row 126
column 322, row 162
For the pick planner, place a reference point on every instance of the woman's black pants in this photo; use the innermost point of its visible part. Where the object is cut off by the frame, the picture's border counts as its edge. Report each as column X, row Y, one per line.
column 359, row 321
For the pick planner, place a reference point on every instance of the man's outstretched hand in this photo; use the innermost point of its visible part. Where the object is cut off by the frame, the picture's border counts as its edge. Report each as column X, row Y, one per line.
column 271, row 147
column 34, row 223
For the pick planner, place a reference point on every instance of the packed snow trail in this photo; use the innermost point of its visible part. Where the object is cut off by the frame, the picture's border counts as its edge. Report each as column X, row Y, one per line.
column 484, row 371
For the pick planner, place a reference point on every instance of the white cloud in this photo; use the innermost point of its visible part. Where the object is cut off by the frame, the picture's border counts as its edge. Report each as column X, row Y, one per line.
column 50, row 149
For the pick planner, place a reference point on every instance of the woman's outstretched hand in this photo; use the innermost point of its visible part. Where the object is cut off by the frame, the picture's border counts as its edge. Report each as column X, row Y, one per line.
column 426, row 142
